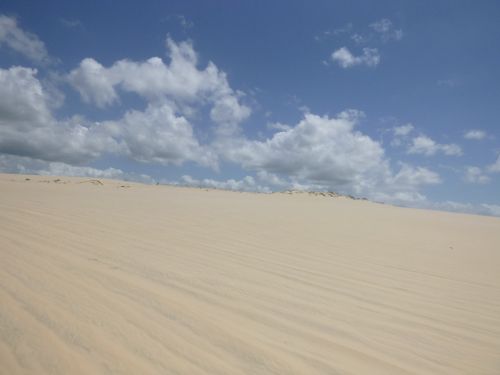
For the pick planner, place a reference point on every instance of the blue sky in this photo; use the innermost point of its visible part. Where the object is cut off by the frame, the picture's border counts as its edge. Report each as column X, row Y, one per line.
column 397, row 101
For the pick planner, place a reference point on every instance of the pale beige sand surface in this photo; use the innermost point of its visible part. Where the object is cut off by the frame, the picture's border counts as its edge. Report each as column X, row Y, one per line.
column 125, row 278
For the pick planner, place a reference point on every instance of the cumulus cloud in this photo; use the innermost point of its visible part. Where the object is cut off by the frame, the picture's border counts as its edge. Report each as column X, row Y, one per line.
column 326, row 153
column 180, row 81
column 382, row 29
column 386, row 30
column 403, row 187
column 495, row 167
column 400, row 134
column 23, row 99
column 159, row 135
column 475, row 134
column 451, row 149
column 278, row 126
column 409, row 176
column 475, row 175
column 427, row 146
column 93, row 83
column 318, row 149
column 403, row 130
column 345, row 59
column 27, row 127
column 228, row 113
column 23, row 42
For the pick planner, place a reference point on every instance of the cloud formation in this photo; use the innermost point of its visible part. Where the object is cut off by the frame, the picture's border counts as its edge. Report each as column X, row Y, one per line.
column 386, row 30
column 424, row 145
column 318, row 152
column 345, row 59
column 180, row 81
column 326, row 153
column 159, row 135
column 475, row 134
column 403, row 130
column 478, row 175
column 28, row 128
column 21, row 41
column 475, row 175
column 495, row 167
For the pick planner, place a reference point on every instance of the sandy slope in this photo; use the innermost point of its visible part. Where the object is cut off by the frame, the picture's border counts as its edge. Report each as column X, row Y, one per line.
column 162, row 280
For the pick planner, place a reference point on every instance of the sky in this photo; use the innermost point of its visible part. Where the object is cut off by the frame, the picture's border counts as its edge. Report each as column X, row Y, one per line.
column 395, row 101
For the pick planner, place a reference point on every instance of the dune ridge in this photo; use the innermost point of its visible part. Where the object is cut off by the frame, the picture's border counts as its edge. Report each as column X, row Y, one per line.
column 123, row 278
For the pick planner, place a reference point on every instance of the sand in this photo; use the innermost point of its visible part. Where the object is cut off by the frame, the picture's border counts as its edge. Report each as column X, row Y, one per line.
column 109, row 277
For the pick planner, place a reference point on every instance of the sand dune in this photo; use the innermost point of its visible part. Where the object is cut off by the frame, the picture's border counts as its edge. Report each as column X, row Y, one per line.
column 123, row 278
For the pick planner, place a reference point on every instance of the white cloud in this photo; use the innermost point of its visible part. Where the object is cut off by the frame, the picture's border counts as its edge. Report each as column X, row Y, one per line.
column 423, row 145
column 403, row 187
column 475, row 175
column 401, row 133
column 370, row 57
column 427, row 146
column 382, row 26
column 278, row 126
column 23, row 98
column 475, row 134
column 27, row 127
column 495, row 167
column 158, row 135
column 318, row 149
column 451, row 149
column 358, row 39
column 409, row 176
column 323, row 153
column 93, row 83
column 403, row 130
column 21, row 41
column 179, row 81
column 228, row 113
column 385, row 28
